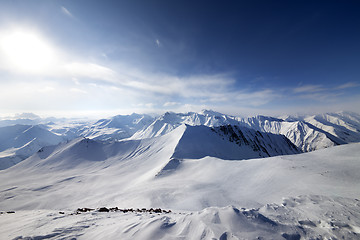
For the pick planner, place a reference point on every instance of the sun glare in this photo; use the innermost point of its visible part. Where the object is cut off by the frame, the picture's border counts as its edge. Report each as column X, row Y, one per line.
column 26, row 51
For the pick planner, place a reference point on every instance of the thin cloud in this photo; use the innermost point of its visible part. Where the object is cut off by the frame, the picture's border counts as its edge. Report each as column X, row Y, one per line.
column 348, row 85
column 322, row 97
column 66, row 11
column 89, row 70
column 308, row 88
column 157, row 42
column 171, row 104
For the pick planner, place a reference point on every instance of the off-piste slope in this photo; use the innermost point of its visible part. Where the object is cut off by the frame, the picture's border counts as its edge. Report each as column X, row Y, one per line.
column 125, row 164
column 158, row 172
column 84, row 170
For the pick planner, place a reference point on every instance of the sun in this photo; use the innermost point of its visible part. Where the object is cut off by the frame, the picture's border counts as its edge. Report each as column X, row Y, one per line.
column 26, row 51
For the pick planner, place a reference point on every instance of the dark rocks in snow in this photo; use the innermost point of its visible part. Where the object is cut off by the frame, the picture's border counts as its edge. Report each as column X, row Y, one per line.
column 125, row 210
column 293, row 236
column 84, row 209
column 103, row 209
column 10, row 212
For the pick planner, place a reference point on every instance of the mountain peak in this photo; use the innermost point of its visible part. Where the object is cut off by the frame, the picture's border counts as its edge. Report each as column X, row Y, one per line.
column 210, row 112
column 31, row 116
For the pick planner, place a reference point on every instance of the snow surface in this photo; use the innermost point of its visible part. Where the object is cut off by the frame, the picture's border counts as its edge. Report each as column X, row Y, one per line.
column 310, row 195
column 304, row 217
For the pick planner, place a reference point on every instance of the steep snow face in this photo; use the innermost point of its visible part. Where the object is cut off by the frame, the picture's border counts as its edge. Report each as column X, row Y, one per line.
column 21, row 141
column 231, row 142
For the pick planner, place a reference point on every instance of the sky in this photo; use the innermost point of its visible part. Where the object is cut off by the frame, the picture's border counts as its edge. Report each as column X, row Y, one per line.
column 97, row 58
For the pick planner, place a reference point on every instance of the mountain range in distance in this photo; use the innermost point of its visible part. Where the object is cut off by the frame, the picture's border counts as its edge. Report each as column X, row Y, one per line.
column 264, row 136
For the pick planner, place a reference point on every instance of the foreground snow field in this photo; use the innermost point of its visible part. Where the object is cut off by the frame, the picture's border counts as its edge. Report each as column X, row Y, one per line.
column 312, row 195
column 304, row 217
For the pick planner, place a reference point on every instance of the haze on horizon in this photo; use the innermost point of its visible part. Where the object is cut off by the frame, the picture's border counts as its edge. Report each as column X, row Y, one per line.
column 238, row 57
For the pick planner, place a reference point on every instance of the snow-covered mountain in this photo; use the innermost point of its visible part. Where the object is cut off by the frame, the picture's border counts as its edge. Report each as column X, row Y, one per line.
column 18, row 142
column 307, row 133
column 117, row 128
column 303, row 135
column 170, row 120
column 311, row 132
column 87, row 172
column 310, row 195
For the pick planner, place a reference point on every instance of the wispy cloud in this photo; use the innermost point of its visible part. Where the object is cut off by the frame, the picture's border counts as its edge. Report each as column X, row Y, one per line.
column 87, row 70
column 157, row 41
column 308, row 88
column 66, row 11
column 322, row 97
column 348, row 85
column 321, row 93
column 171, row 104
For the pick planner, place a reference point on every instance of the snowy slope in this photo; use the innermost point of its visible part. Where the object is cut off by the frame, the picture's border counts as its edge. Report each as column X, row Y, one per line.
column 304, row 217
column 130, row 173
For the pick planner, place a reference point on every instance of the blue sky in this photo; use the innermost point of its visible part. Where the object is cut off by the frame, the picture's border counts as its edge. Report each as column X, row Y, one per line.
column 81, row 57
